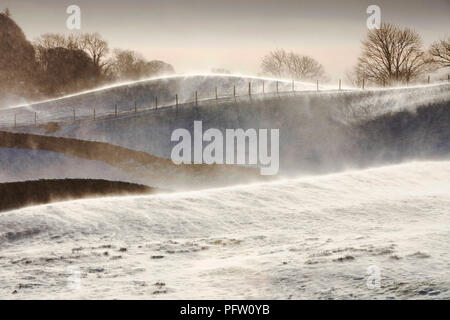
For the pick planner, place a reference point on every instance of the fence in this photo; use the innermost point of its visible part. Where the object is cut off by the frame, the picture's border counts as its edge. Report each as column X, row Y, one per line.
column 157, row 105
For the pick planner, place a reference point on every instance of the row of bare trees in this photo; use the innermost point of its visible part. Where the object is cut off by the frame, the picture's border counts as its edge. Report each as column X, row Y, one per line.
column 91, row 43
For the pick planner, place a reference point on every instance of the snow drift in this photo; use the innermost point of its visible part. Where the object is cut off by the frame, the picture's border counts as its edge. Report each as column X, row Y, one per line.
column 319, row 131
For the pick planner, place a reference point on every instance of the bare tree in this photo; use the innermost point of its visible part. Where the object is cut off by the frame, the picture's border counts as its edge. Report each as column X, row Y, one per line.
column 392, row 54
column 96, row 47
column 56, row 40
column 282, row 64
column 440, row 53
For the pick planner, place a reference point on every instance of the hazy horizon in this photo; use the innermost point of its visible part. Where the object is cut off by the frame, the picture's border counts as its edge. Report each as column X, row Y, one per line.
column 195, row 36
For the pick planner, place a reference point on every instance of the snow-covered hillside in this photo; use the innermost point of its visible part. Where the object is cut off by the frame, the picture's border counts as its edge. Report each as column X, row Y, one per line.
column 25, row 164
column 284, row 239
column 312, row 237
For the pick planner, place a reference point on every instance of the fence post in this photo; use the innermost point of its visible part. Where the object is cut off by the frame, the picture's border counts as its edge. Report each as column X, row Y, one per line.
column 277, row 86
column 339, row 84
column 317, row 85
column 115, row 110
column 217, row 97
column 94, row 114
column 176, row 99
column 428, row 79
column 263, row 87
column 135, row 107
column 196, row 98
column 74, row 115
column 249, row 89
column 363, row 84
column 15, row 120
column 234, row 91
column 35, row 119
column 293, row 88
column 156, row 102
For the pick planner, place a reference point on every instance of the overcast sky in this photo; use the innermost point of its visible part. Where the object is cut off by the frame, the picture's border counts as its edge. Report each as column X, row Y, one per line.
column 197, row 35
